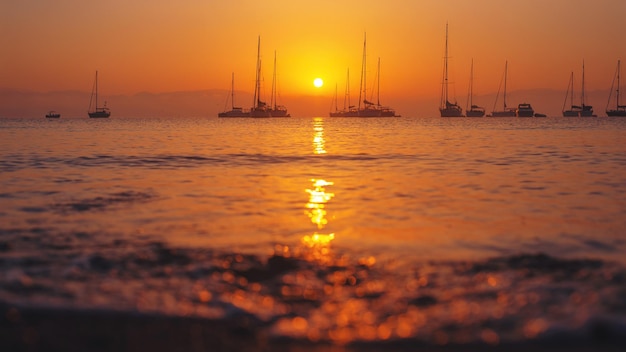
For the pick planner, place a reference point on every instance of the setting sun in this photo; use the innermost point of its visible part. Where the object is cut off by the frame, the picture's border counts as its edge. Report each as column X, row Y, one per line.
column 318, row 82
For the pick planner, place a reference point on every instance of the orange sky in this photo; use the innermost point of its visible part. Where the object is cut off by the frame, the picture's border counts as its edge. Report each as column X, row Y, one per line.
column 163, row 46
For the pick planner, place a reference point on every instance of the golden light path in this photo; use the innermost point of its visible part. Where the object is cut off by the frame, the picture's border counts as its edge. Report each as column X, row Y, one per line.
column 318, row 197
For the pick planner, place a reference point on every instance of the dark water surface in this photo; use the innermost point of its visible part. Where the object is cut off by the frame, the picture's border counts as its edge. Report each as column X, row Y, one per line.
column 435, row 232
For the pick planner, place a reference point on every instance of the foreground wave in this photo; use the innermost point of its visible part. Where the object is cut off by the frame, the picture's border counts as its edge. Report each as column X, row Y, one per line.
column 76, row 291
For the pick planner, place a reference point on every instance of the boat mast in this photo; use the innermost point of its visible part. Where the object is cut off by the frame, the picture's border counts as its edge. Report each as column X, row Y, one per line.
column 346, row 97
column 336, row 108
column 617, row 90
column 506, row 71
column 362, row 88
column 273, row 99
column 257, row 84
column 444, row 97
column 471, row 88
column 570, row 91
column 232, row 91
column 97, row 90
column 378, row 85
column 582, row 93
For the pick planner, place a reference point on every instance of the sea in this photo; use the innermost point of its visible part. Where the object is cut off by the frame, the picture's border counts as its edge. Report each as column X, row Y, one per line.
column 341, row 232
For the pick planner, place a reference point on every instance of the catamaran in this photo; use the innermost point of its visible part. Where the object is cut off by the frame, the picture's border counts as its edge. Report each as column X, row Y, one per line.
column 446, row 108
column 620, row 110
column 98, row 112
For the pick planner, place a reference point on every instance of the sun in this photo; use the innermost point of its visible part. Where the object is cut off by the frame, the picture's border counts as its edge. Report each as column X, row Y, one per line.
column 318, row 82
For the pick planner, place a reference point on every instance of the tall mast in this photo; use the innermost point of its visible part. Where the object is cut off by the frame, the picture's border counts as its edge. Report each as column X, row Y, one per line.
column 570, row 91
column 378, row 84
column 257, row 84
column 444, row 103
column 362, row 88
column 618, row 72
column 571, row 97
column 346, row 97
column 506, row 72
column 471, row 87
column 273, row 99
column 97, row 89
column 232, row 92
column 582, row 93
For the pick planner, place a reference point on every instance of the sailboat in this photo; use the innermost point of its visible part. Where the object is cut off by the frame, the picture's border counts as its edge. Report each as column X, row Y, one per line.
column 275, row 109
column 506, row 111
column 348, row 109
column 575, row 110
column 382, row 111
column 98, row 112
column 587, row 110
column 368, row 109
column 446, row 108
column 234, row 111
column 620, row 110
column 582, row 110
column 259, row 107
column 473, row 110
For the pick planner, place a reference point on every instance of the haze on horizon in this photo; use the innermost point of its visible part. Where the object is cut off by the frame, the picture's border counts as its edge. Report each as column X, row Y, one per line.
column 157, row 46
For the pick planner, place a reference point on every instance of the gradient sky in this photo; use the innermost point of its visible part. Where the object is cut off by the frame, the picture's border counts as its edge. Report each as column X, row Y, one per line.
column 163, row 46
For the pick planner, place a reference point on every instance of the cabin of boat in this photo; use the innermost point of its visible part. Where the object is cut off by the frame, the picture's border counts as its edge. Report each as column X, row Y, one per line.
column 507, row 112
column 525, row 110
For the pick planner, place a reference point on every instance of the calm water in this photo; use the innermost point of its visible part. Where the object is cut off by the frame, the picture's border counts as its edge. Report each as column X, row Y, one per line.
column 439, row 230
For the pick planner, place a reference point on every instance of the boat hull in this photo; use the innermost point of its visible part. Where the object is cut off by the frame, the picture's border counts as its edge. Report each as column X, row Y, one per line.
column 367, row 112
column 99, row 114
column 475, row 113
column 279, row 112
column 587, row 111
column 571, row 113
column 451, row 112
column 506, row 113
column 234, row 113
column 260, row 112
column 619, row 112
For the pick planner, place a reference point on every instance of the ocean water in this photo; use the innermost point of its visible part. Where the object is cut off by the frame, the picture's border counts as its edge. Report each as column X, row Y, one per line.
column 435, row 231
